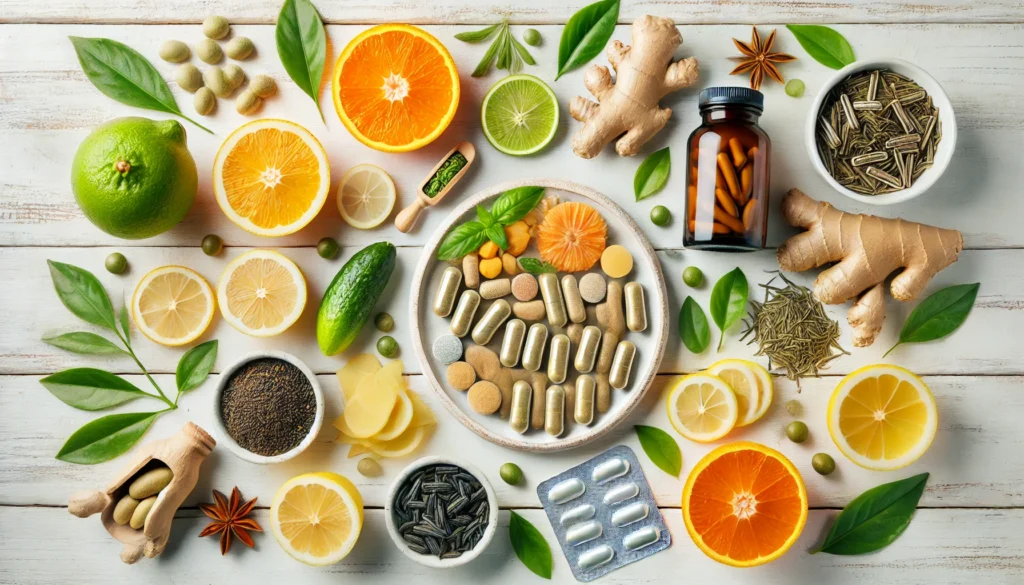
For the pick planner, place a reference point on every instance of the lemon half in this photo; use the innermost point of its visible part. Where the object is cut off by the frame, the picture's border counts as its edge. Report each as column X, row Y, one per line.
column 317, row 517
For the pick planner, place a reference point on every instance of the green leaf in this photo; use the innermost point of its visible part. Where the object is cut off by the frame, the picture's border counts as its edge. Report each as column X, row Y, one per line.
column 661, row 448
column 85, row 343
column 693, row 326
column 122, row 73
column 874, row 519
column 496, row 234
column 91, row 389
column 535, row 266
column 302, row 46
column 125, row 327
column 195, row 366
column 825, row 45
column 105, row 438
column 514, row 204
column 484, row 216
column 530, row 546
column 477, row 36
column 484, row 67
column 938, row 315
column 729, row 301
column 82, row 294
column 652, row 174
column 524, row 53
column 586, row 34
column 462, row 240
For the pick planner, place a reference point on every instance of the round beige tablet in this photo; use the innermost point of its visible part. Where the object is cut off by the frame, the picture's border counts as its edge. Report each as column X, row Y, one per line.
column 461, row 375
column 484, row 397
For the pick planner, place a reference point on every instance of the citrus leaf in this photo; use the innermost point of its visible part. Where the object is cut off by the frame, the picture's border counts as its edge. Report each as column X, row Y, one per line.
column 939, row 315
column 586, row 34
column 661, row 448
column 824, row 44
column 82, row 294
column 513, row 205
column 302, row 46
column 124, row 323
column 652, row 174
column 874, row 519
column 729, row 301
column 535, row 266
column 85, row 342
column 195, row 366
column 477, row 35
column 105, row 438
column 462, row 240
column 91, row 389
column 530, row 546
column 693, row 326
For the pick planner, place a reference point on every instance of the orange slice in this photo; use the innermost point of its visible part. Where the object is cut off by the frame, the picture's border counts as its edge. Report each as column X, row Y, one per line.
column 572, row 236
column 395, row 87
column 744, row 504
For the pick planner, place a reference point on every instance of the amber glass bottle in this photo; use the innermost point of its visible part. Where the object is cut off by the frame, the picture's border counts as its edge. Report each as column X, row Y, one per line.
column 727, row 173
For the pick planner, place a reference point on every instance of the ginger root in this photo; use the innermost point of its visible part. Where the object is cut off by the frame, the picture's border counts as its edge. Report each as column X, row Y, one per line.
column 867, row 250
column 628, row 107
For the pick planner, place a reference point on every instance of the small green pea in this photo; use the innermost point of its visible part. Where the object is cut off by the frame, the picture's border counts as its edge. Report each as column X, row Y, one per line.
column 660, row 215
column 797, row 431
column 116, row 263
column 327, row 248
column 387, row 347
column 692, row 276
column 212, row 245
column 795, row 88
column 384, row 322
column 794, row 408
column 531, row 36
column 511, row 474
column 823, row 463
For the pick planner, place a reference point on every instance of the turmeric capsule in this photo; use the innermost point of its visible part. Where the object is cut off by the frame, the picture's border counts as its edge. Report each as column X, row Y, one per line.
column 446, row 291
column 519, row 419
column 587, row 352
column 586, row 388
column 728, row 220
column 533, row 351
column 739, row 156
column 573, row 300
column 636, row 308
column 558, row 358
column 746, row 183
column 554, row 304
column 622, row 365
column 554, row 410
column 748, row 213
column 727, row 202
column 729, row 174
column 462, row 319
column 488, row 325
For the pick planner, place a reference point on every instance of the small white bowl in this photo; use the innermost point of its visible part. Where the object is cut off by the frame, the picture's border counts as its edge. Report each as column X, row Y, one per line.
column 947, row 120
column 221, row 431
column 431, row 560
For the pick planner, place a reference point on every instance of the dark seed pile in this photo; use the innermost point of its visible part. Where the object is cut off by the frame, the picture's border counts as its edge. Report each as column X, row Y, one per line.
column 268, row 406
column 441, row 510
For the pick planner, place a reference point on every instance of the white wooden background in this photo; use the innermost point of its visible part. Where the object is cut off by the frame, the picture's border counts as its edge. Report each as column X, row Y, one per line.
column 969, row 527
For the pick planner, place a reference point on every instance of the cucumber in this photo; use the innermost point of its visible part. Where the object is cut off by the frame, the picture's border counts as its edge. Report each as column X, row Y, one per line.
column 350, row 298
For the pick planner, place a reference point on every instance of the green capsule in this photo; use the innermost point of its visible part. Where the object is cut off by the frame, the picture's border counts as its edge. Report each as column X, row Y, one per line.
column 387, row 347
column 693, row 277
column 531, row 36
column 384, row 322
column 327, row 248
column 116, row 263
column 797, row 431
column 511, row 474
column 660, row 215
column 823, row 463
column 795, row 88
column 212, row 245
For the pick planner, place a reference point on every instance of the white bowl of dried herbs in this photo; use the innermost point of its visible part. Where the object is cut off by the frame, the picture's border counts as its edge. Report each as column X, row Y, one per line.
column 441, row 512
column 881, row 131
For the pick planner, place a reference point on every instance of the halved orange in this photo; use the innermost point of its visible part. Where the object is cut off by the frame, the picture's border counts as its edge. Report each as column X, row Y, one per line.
column 744, row 504
column 395, row 87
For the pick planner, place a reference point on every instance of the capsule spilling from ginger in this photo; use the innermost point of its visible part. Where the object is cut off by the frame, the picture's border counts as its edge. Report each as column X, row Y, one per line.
column 636, row 308
column 554, row 410
column 554, row 304
column 622, row 365
column 558, row 358
column 494, row 318
column 519, row 417
column 586, row 355
column 512, row 343
column 446, row 291
column 533, row 351
column 462, row 319
column 573, row 301
column 586, row 388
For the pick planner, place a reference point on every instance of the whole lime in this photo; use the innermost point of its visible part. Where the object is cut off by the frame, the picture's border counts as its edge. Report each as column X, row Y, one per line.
column 134, row 177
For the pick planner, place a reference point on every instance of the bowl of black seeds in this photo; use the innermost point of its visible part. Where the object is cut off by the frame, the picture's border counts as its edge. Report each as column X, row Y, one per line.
column 268, row 407
column 441, row 512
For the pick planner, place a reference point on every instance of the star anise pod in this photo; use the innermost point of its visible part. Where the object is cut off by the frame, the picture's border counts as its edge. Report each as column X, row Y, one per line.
column 229, row 517
column 759, row 60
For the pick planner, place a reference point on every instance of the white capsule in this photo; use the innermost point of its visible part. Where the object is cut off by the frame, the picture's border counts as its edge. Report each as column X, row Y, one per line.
column 573, row 301
column 533, row 351
column 446, row 291
column 488, row 325
column 554, row 410
column 554, row 304
column 622, row 365
column 586, row 388
column 578, row 514
column 627, row 515
column 585, row 532
column 596, row 557
column 462, row 319
column 512, row 343
column 558, row 359
column 610, row 469
column 519, row 416
column 636, row 308
column 587, row 352
column 567, row 490
column 644, row 537
column 621, row 493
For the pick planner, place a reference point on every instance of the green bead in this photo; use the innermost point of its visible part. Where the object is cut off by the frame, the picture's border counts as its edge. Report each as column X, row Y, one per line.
column 212, row 245
column 797, row 431
column 660, row 215
column 793, row 408
column 692, row 276
column 795, row 88
column 327, row 248
column 823, row 463
column 387, row 347
column 384, row 322
column 531, row 36
column 116, row 263
column 511, row 474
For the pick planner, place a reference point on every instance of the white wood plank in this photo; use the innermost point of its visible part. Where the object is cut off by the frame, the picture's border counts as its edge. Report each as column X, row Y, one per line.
column 49, row 107
column 974, row 460
column 972, row 547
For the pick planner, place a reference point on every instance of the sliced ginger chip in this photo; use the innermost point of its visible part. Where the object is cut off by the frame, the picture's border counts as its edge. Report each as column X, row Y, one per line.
column 400, row 418
column 356, row 450
column 401, row 445
column 352, row 373
column 370, row 408
column 421, row 413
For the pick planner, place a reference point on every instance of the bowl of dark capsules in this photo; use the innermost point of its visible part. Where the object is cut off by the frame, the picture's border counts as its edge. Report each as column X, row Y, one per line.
column 441, row 512
column 268, row 407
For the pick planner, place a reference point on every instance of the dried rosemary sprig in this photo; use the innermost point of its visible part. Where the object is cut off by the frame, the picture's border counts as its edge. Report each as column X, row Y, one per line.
column 793, row 330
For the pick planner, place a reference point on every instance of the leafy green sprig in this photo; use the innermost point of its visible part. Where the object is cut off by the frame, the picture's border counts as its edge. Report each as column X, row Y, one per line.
column 510, row 207
column 505, row 51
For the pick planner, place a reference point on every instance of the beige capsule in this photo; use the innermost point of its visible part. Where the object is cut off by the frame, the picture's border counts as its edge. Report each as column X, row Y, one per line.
column 586, row 355
column 495, row 289
column 554, row 304
column 142, row 512
column 558, row 358
column 636, row 308
column 622, row 364
column 471, row 267
column 124, row 509
column 150, row 483
column 512, row 343
column 586, row 388
column 573, row 301
column 216, row 27
column 235, row 75
column 218, row 82
column 239, row 48
column 529, row 310
column 204, row 101
column 519, row 418
column 209, row 51
column 554, row 410
column 174, row 52
column 188, row 77
column 263, row 86
column 247, row 103
column 446, row 291
column 533, row 351
column 462, row 318
column 488, row 325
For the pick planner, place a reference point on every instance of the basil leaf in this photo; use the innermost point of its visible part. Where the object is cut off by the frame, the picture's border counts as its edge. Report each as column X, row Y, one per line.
column 535, row 266
column 661, row 448
column 513, row 205
column 462, row 240
column 195, row 366
column 122, row 73
column 82, row 294
column 938, row 315
column 477, row 35
column 484, row 216
column 825, row 45
column 693, row 326
column 586, row 34
column 530, row 546
column 523, row 52
column 875, row 518
column 302, row 46
column 91, row 389
column 105, row 438
column 496, row 234
column 85, row 343
column 729, row 301
column 652, row 174
column 124, row 323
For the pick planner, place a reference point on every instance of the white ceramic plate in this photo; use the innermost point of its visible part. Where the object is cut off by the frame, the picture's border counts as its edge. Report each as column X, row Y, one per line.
column 650, row 343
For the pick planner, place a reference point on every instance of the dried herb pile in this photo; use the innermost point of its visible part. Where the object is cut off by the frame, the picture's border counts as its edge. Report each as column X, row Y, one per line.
column 445, row 174
column 268, row 406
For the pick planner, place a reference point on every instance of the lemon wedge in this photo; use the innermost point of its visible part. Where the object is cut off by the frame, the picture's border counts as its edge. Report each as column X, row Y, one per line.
column 702, row 407
column 317, row 517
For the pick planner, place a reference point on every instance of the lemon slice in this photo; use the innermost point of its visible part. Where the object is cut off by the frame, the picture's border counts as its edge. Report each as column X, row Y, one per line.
column 317, row 517
column 261, row 293
column 740, row 377
column 173, row 305
column 702, row 407
column 366, row 196
column 882, row 417
column 765, row 389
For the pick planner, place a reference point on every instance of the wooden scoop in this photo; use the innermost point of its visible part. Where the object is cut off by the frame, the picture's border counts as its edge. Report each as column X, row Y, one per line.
column 407, row 217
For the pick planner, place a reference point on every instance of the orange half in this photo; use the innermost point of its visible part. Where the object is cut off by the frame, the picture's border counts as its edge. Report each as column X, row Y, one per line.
column 395, row 87
column 744, row 504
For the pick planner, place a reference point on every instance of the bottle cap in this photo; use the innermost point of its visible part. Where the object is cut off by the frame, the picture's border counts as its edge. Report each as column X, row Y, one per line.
column 731, row 96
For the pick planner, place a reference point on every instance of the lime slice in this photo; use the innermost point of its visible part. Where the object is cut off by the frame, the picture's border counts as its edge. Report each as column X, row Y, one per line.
column 519, row 115
column 366, row 196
